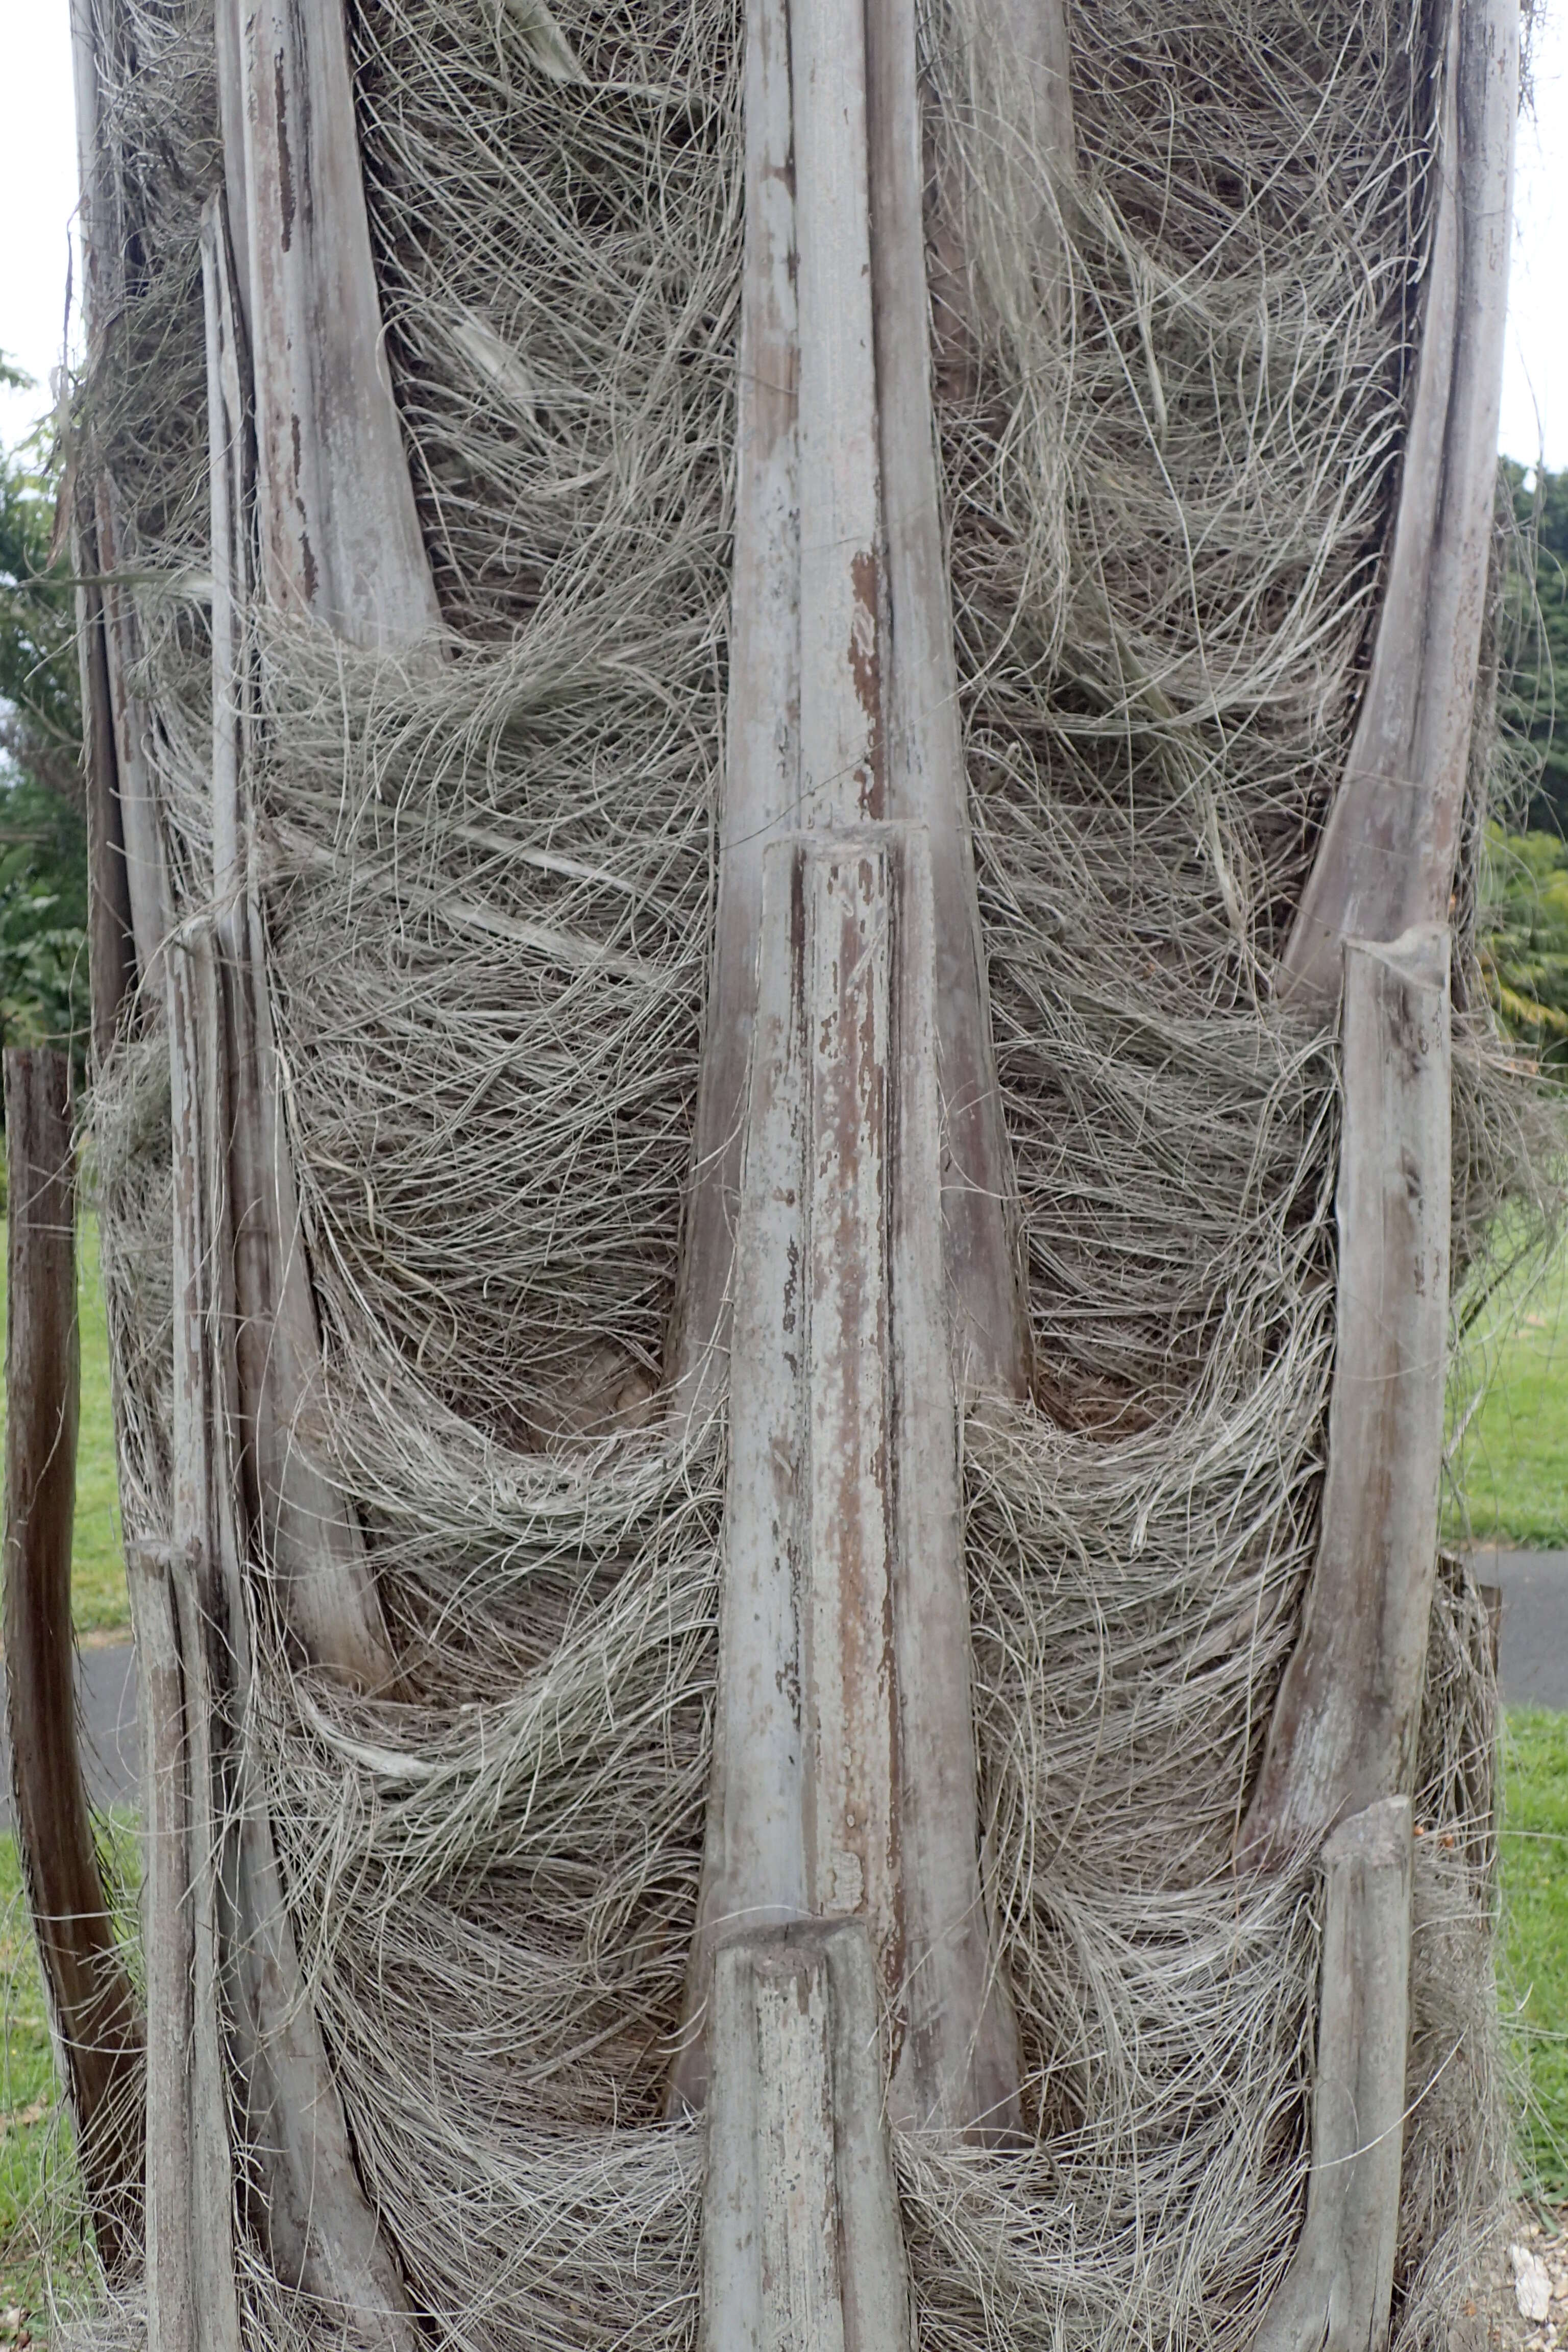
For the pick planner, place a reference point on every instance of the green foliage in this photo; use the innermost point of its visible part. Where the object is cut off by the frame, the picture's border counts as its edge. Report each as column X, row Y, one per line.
column 1536, row 626
column 1524, row 938
column 1535, row 1896
column 31, row 2124
column 43, row 831
column 43, row 2232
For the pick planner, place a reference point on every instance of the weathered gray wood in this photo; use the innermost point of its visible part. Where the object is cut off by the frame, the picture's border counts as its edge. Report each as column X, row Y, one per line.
column 92, row 2007
column 111, row 946
column 960, row 2063
column 312, row 2210
column 167, row 1953
column 841, row 1310
column 306, row 1529
column 843, row 691
column 307, row 2203
column 802, row 2250
column 843, row 1777
column 843, row 749
column 762, row 746
column 141, row 831
column 1385, row 862
column 1345, row 1723
column 339, row 532
column 1335, row 2296
column 207, row 2188
column 927, row 781
column 111, row 953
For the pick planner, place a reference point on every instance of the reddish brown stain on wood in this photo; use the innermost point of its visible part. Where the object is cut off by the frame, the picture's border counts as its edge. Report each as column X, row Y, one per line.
column 285, row 157
column 866, row 669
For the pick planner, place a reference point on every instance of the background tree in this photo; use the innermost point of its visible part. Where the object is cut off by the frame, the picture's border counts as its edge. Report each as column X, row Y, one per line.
column 1524, row 931
column 43, row 831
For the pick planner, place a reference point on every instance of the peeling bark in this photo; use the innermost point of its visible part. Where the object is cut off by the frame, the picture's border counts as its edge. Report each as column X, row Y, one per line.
column 844, row 1775
column 801, row 2247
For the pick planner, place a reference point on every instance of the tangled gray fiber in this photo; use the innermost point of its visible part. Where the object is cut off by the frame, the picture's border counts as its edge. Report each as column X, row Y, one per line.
column 1170, row 459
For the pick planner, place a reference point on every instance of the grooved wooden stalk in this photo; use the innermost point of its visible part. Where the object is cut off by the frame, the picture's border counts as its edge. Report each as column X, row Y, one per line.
column 843, row 698
column 306, row 1531
column 92, row 2007
column 844, row 1773
column 113, row 939
column 191, row 2240
column 1345, row 1722
column 339, row 533
column 762, row 744
column 1335, row 2296
column 111, row 945
column 312, row 2211
column 927, row 781
column 801, row 2245
column 1385, row 862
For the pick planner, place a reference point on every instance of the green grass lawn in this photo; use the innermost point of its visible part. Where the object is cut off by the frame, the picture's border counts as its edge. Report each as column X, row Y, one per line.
column 99, row 1604
column 1535, row 1954
column 1511, row 1464
column 30, row 2123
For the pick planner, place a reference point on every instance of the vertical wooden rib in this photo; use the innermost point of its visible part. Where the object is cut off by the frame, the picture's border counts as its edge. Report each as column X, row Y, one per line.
column 313, row 2211
column 843, row 750
column 141, row 824
column 205, row 2194
column 112, row 944
column 1336, row 2294
column 844, row 620
column 761, row 747
column 960, row 2065
column 802, row 2250
column 111, row 937
column 306, row 1530
column 1385, row 862
column 927, row 782
column 92, row 2008
column 843, row 1316
column 844, row 1775
column 167, row 1951
column 339, row 532
column 1345, row 1722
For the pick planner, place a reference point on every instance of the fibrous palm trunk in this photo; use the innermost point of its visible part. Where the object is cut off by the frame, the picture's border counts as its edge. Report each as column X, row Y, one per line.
column 849, row 1989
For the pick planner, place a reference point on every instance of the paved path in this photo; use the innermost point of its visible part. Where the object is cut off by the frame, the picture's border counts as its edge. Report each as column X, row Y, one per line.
column 1532, row 1649
column 1533, row 1665
column 106, row 1725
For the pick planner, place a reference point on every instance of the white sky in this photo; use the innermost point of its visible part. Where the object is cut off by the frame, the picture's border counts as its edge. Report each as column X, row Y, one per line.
column 37, row 192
